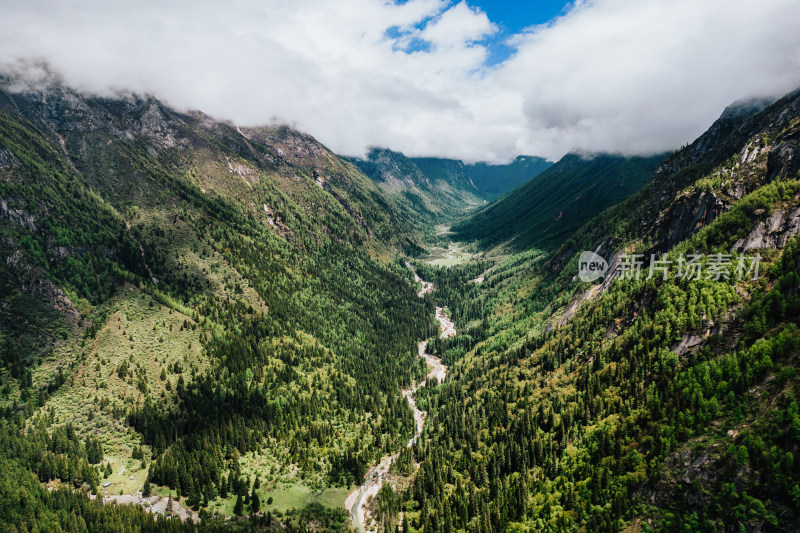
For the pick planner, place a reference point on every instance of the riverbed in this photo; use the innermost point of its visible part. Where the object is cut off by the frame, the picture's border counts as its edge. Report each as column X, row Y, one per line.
column 357, row 500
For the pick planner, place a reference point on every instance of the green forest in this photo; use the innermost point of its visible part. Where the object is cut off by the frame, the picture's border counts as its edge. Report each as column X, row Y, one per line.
column 222, row 322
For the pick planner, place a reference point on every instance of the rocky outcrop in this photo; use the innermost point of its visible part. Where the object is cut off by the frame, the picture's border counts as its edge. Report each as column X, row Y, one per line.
column 293, row 148
column 154, row 123
column 750, row 145
column 686, row 216
column 247, row 173
column 738, row 122
column 8, row 161
column 32, row 280
column 773, row 232
column 784, row 158
column 393, row 169
column 684, row 468
column 18, row 216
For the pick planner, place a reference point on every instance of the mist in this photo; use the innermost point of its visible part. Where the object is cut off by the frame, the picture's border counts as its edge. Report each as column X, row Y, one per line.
column 606, row 76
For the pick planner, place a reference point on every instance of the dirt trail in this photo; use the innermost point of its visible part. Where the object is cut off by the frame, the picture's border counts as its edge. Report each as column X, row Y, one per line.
column 356, row 501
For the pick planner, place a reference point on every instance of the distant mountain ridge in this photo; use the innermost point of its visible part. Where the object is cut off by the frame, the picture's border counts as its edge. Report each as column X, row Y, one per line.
column 441, row 189
column 435, row 198
column 556, row 202
column 492, row 180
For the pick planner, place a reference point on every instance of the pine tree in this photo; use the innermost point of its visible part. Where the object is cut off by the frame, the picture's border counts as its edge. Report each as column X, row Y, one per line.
column 223, row 487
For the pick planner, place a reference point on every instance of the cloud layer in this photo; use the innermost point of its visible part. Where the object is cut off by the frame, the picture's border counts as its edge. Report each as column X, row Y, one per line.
column 609, row 75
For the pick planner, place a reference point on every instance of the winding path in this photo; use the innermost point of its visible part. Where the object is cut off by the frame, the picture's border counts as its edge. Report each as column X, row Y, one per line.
column 356, row 501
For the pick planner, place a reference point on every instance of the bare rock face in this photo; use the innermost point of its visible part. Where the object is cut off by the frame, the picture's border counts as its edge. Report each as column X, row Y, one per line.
column 784, row 158
column 154, row 124
column 247, row 173
column 751, row 144
column 687, row 343
column 774, row 232
column 32, row 280
column 737, row 191
column 686, row 216
column 54, row 295
column 8, row 161
column 395, row 170
column 722, row 139
column 63, row 110
column 685, row 467
column 294, row 148
column 18, row 216
column 762, row 157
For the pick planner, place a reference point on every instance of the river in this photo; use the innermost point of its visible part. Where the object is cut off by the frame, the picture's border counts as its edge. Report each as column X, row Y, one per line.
column 357, row 500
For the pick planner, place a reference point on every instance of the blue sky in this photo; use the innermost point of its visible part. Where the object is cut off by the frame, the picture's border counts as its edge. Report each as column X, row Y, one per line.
column 514, row 16
column 510, row 18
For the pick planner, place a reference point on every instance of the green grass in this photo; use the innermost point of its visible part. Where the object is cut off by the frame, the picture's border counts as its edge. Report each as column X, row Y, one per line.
column 147, row 338
column 285, row 496
column 123, row 470
column 454, row 254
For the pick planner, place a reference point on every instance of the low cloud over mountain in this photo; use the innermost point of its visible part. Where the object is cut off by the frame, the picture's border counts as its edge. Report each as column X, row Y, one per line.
column 607, row 75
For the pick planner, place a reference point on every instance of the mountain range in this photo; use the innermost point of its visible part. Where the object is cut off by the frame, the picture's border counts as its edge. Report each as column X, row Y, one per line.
column 222, row 327
column 443, row 189
column 558, row 201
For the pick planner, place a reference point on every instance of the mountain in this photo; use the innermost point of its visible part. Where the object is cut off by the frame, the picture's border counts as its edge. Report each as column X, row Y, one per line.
column 224, row 318
column 637, row 402
column 558, row 201
column 491, row 180
column 192, row 306
column 442, row 189
column 434, row 197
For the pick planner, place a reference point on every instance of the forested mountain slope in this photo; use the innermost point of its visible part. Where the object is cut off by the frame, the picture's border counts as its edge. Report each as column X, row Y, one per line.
column 642, row 402
column 551, row 206
column 188, row 305
column 435, row 197
column 223, row 317
column 439, row 189
column 491, row 180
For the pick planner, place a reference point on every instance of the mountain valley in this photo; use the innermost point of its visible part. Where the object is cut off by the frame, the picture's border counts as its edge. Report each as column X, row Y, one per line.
column 235, row 328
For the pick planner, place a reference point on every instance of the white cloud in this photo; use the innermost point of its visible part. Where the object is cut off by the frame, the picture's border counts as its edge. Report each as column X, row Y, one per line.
column 650, row 75
column 456, row 26
column 609, row 75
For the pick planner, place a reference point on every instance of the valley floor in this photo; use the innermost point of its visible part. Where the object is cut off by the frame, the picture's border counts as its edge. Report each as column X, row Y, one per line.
column 358, row 500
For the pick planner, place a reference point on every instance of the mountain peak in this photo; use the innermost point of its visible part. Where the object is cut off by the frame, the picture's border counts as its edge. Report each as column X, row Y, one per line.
column 745, row 108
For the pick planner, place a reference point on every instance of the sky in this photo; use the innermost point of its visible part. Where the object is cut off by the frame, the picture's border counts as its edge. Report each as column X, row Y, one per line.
column 512, row 17
column 476, row 80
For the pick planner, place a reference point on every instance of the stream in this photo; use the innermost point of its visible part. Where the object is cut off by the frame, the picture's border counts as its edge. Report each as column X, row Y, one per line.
column 356, row 502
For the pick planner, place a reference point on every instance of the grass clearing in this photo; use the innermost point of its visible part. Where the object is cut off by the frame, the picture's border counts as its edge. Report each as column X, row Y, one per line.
column 454, row 254
column 141, row 342
column 285, row 496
